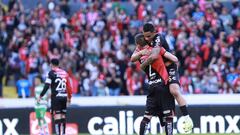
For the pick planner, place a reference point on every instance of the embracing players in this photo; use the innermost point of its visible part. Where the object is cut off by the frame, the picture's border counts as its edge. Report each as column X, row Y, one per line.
column 153, row 39
column 159, row 102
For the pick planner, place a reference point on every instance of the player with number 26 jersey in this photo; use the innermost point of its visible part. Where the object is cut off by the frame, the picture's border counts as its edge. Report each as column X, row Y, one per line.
column 60, row 84
column 59, row 81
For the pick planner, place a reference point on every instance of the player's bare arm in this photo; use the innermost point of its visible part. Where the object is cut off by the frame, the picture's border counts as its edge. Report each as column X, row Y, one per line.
column 69, row 91
column 170, row 57
column 137, row 55
column 152, row 57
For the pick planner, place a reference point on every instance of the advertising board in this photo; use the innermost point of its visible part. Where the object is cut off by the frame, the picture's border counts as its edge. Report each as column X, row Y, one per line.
column 126, row 120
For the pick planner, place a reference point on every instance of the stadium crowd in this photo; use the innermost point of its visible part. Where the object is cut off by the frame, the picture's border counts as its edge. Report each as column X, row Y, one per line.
column 95, row 44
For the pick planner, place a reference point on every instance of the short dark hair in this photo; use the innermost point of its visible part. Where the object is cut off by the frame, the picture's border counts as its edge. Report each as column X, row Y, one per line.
column 55, row 62
column 148, row 27
column 139, row 39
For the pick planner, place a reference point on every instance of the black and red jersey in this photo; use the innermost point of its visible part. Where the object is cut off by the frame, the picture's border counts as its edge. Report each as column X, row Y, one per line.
column 159, row 40
column 156, row 72
column 59, row 82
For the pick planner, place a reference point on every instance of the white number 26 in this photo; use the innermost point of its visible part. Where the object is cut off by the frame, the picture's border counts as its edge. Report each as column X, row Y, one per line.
column 61, row 84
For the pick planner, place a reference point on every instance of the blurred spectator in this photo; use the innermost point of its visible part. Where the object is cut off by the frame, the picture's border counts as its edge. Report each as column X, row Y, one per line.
column 23, row 87
column 210, row 82
column 198, row 14
column 33, row 65
column 231, row 77
column 227, row 20
column 186, row 83
column 113, row 80
column 2, row 71
column 94, row 43
column 13, row 67
column 205, row 49
column 196, row 83
column 170, row 40
column 4, row 36
column 85, row 84
column 236, row 85
column 93, row 47
column 102, row 89
column 135, row 85
column 193, row 62
column 65, row 7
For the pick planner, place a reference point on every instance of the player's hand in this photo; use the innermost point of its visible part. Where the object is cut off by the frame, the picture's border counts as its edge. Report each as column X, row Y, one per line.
column 38, row 100
column 68, row 102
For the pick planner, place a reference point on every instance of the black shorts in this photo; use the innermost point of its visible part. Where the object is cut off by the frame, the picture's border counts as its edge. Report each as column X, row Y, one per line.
column 159, row 101
column 59, row 105
column 173, row 74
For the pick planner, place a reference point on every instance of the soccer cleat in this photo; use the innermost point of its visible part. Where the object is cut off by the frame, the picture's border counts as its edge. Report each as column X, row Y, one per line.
column 187, row 124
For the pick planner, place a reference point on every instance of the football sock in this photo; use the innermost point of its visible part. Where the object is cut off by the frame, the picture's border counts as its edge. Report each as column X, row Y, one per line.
column 44, row 121
column 162, row 122
column 184, row 110
column 58, row 126
column 169, row 126
column 45, row 127
column 63, row 121
column 143, row 125
column 39, row 123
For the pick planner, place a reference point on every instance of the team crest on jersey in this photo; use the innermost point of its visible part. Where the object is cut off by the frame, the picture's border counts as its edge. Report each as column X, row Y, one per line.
column 157, row 41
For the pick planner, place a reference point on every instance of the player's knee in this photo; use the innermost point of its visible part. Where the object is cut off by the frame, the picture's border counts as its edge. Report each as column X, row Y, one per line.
column 174, row 89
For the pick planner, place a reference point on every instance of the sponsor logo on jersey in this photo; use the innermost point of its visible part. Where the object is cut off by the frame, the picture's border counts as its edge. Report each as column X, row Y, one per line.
column 61, row 95
column 155, row 81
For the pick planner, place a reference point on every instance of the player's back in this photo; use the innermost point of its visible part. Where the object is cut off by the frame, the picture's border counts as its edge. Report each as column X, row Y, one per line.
column 157, row 71
column 59, row 79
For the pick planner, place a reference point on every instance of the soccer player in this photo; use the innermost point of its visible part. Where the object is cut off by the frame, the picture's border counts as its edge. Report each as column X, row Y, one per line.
column 61, row 93
column 155, row 39
column 159, row 100
column 41, row 107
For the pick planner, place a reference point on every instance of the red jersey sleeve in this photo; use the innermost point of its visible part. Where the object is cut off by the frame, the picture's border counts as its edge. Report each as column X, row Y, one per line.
column 162, row 51
column 69, row 88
